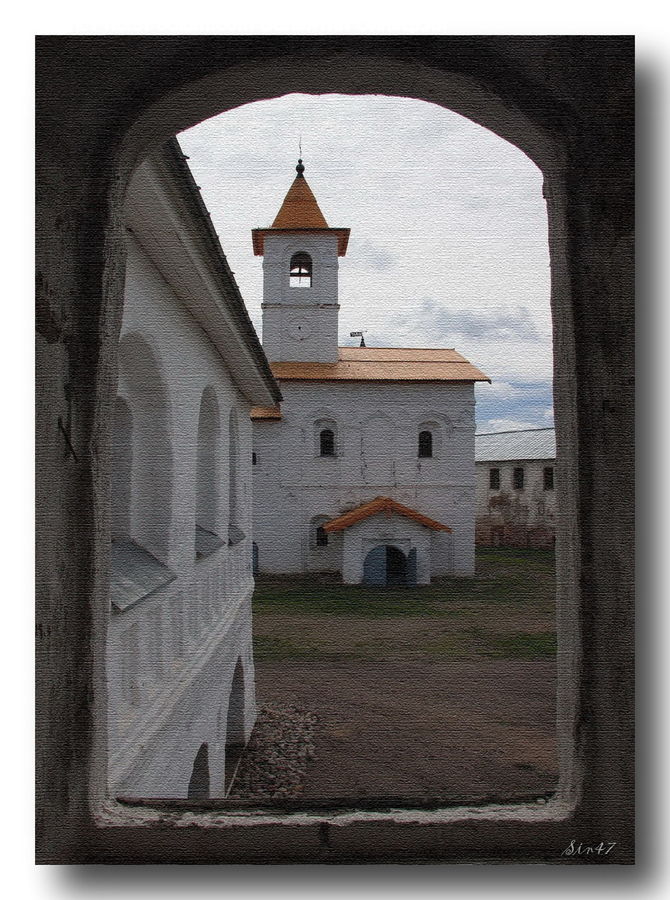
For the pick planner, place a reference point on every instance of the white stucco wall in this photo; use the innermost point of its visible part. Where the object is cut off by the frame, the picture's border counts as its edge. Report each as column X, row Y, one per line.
column 300, row 323
column 172, row 655
column 377, row 428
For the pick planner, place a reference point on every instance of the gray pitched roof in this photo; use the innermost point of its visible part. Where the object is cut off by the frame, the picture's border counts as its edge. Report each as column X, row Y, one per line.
column 535, row 443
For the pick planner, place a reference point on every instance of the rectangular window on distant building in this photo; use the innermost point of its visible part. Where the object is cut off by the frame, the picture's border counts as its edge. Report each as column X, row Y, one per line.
column 517, row 478
column 494, row 479
column 549, row 478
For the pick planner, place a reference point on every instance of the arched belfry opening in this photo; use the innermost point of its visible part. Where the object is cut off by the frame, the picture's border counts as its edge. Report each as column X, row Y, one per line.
column 300, row 272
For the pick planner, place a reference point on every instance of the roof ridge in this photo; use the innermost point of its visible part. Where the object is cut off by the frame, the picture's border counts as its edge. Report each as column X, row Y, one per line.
column 356, row 347
column 515, row 431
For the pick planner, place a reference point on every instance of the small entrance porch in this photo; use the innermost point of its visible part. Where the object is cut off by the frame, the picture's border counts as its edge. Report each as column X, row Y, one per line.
column 386, row 543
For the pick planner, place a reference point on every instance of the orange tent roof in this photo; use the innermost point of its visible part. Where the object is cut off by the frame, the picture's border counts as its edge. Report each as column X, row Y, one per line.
column 299, row 213
column 299, row 209
column 384, row 364
column 381, row 504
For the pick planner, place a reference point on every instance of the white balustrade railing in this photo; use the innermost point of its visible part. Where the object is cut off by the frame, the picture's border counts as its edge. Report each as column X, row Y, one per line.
column 150, row 643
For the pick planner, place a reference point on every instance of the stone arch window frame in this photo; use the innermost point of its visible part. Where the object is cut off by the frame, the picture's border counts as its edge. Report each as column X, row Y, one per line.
column 326, row 423
column 436, row 429
column 301, row 266
column 585, row 768
column 316, row 524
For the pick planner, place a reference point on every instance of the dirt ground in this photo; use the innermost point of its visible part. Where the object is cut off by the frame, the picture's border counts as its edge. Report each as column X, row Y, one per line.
column 441, row 693
column 420, row 729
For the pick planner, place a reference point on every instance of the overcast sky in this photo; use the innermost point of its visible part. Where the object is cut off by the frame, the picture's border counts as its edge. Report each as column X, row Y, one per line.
column 448, row 243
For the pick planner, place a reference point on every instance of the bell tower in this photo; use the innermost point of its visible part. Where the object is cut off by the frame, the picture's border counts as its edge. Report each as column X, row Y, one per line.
column 300, row 265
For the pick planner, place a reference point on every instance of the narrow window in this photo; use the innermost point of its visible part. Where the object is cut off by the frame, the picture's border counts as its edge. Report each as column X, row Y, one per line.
column 517, row 479
column 327, row 442
column 494, row 479
column 425, row 444
column 254, row 459
column 549, row 478
column 301, row 270
column 321, row 537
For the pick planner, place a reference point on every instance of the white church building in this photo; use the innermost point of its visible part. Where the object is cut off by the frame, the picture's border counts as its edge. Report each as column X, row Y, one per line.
column 366, row 467
column 180, row 670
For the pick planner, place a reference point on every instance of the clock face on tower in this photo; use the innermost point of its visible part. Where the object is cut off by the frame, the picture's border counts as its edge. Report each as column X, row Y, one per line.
column 299, row 330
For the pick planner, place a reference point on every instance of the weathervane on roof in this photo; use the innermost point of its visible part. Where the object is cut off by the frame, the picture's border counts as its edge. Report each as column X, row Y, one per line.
column 360, row 335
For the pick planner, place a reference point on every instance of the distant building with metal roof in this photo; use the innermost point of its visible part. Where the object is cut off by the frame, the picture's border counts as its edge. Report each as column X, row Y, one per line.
column 531, row 443
column 515, row 496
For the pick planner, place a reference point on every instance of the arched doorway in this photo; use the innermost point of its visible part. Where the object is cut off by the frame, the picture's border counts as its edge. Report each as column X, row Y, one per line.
column 234, row 726
column 386, row 565
column 198, row 786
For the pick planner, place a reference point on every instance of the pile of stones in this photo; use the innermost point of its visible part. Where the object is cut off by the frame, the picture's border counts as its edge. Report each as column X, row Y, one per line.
column 274, row 762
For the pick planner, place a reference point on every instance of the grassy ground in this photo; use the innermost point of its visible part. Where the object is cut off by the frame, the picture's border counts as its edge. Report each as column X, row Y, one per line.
column 506, row 611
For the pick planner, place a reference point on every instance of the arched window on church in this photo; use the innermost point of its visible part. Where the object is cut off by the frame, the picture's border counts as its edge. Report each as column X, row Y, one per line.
column 318, row 536
column 301, row 270
column 425, row 444
column 327, row 442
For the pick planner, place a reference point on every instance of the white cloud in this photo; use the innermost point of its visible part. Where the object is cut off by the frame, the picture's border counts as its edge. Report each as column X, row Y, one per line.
column 448, row 225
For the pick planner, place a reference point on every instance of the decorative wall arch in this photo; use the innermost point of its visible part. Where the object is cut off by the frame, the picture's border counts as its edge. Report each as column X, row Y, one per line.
column 145, row 392
column 235, row 534
column 326, row 437
column 122, row 469
column 208, row 478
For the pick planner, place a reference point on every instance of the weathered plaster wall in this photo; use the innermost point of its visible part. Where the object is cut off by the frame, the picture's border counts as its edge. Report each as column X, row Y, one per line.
column 377, row 428
column 102, row 103
column 171, row 656
column 531, row 505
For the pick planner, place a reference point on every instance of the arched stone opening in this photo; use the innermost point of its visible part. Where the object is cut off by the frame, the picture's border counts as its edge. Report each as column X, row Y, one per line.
column 198, row 786
column 146, row 400
column 235, row 736
column 464, row 96
column 235, row 532
column 122, row 470
column 208, row 490
column 534, row 90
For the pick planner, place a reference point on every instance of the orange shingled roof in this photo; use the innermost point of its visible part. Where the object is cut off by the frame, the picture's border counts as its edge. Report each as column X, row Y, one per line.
column 300, row 213
column 266, row 412
column 299, row 209
column 384, row 364
column 381, row 504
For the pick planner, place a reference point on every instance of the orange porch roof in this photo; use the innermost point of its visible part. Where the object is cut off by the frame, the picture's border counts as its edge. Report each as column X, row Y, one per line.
column 381, row 504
